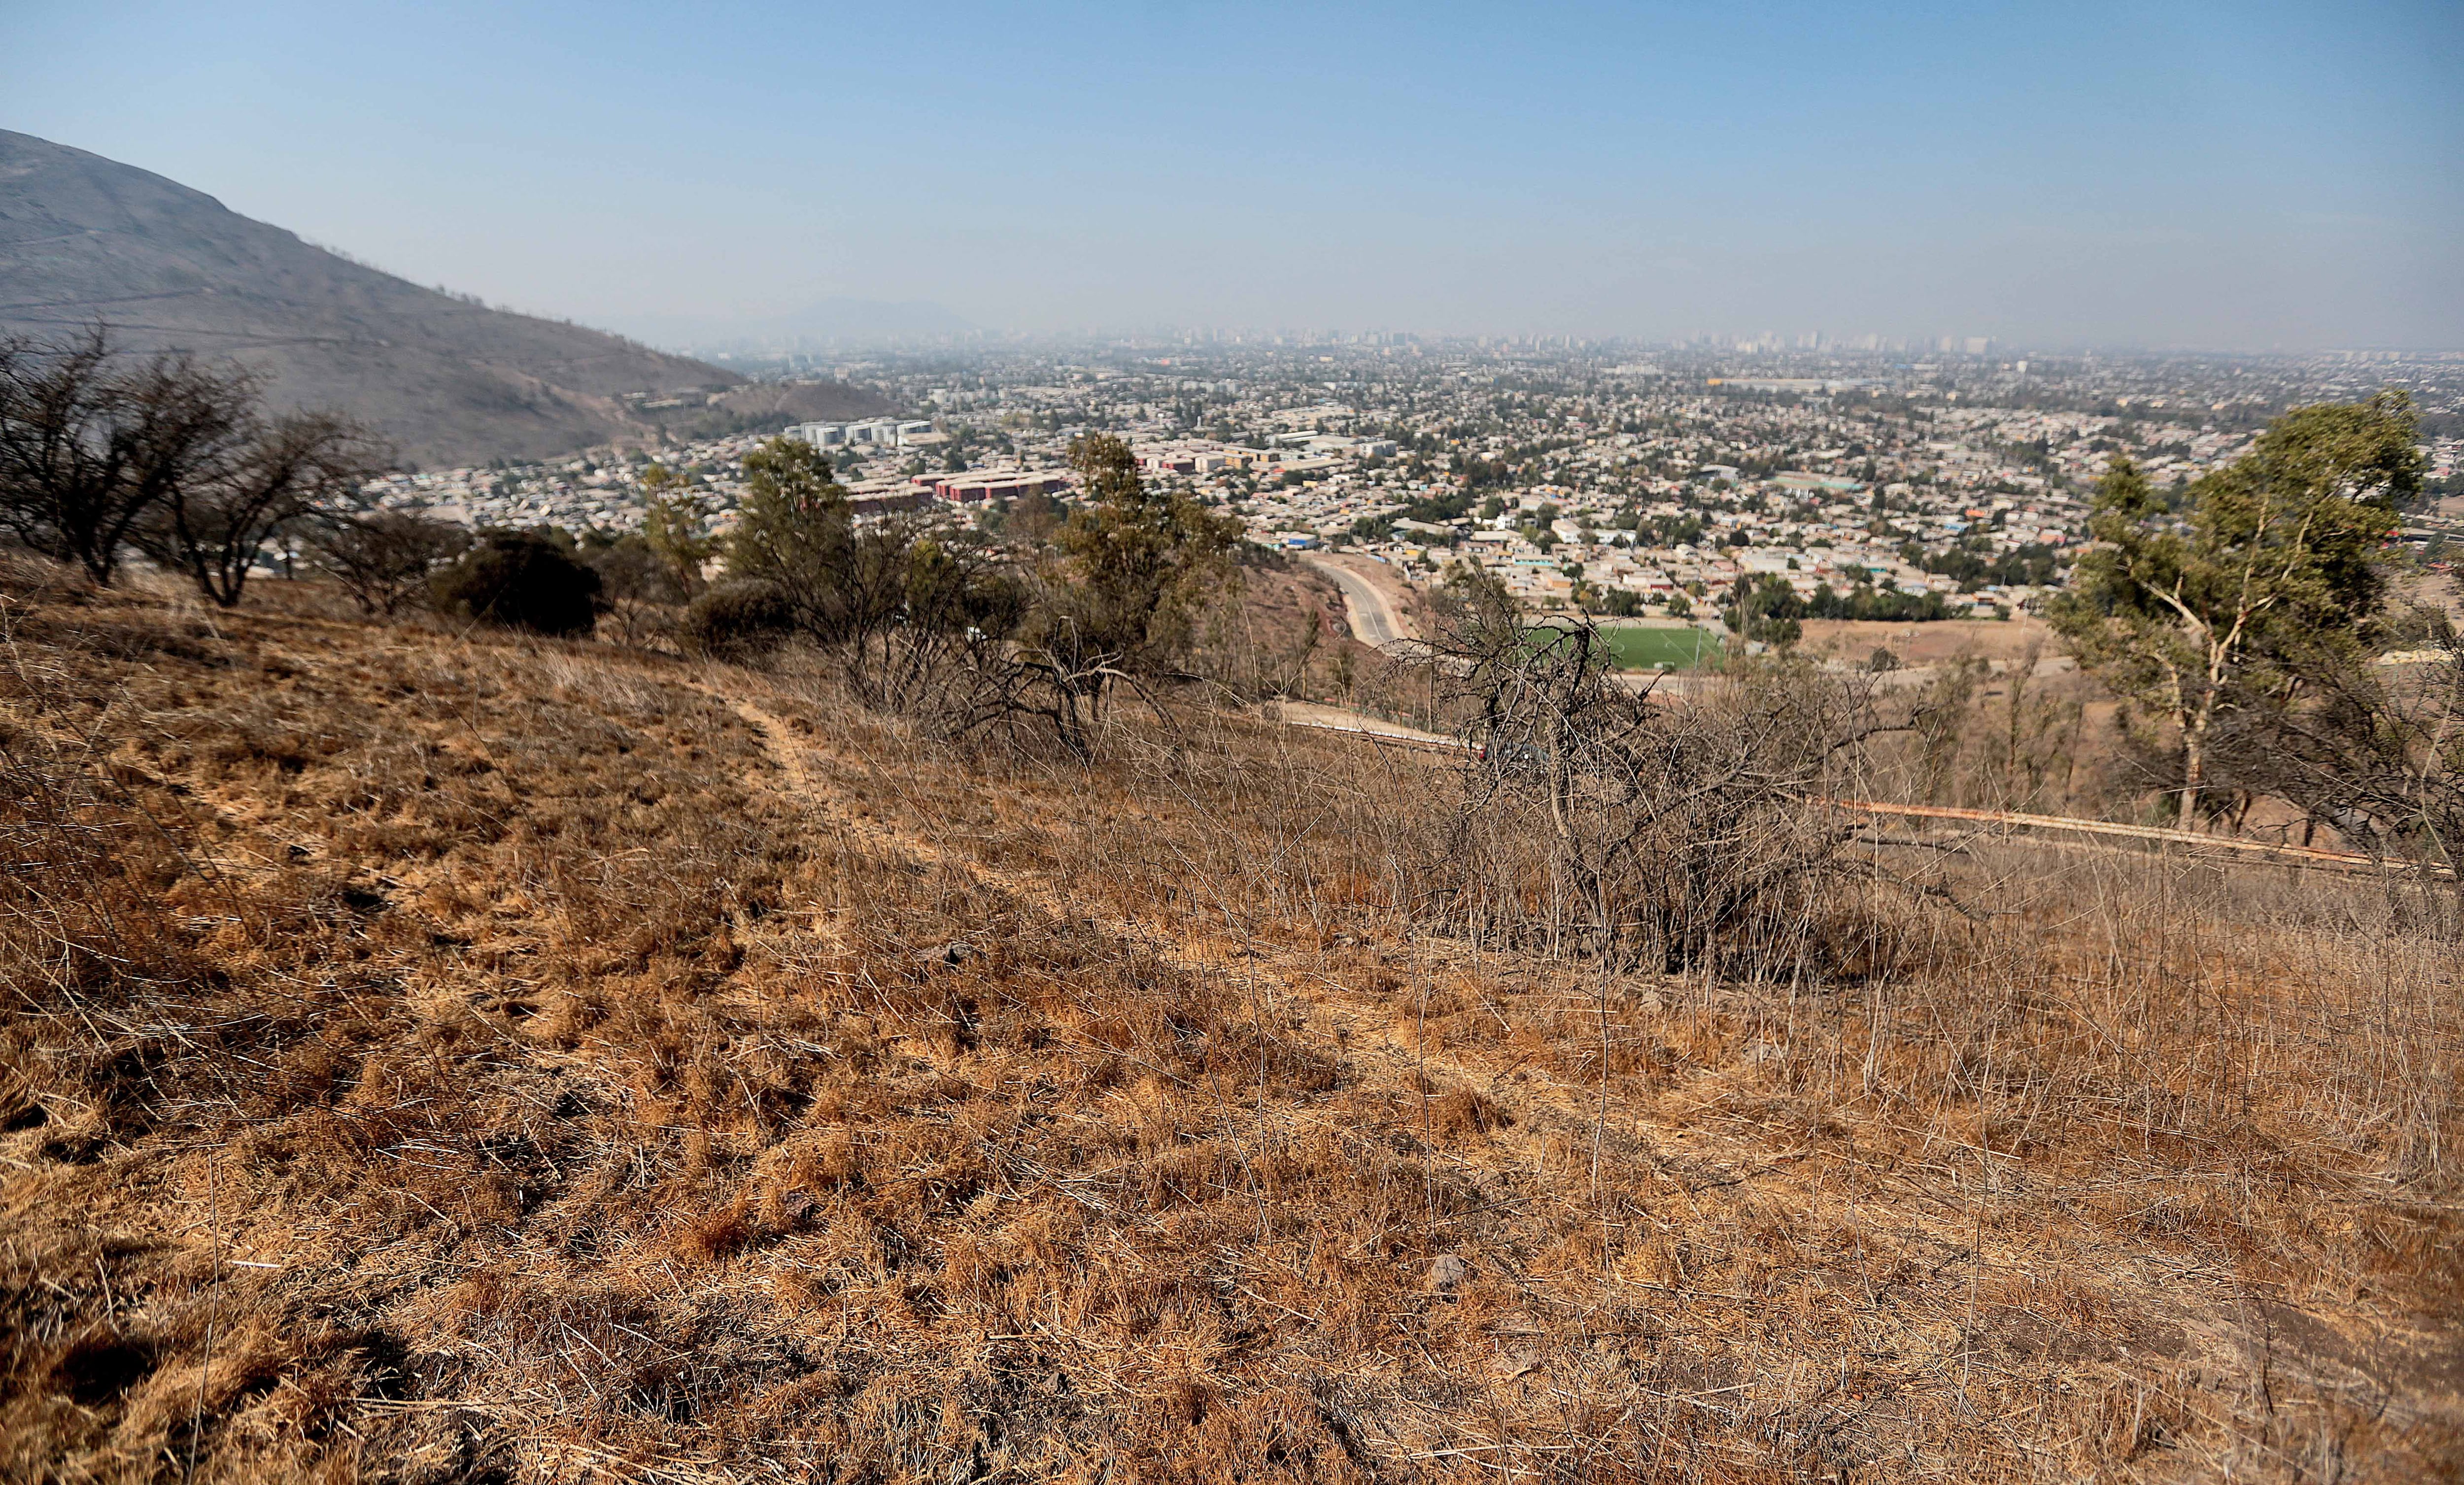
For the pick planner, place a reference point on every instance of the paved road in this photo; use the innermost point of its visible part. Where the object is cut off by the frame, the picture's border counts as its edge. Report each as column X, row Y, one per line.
column 1342, row 719
column 1374, row 620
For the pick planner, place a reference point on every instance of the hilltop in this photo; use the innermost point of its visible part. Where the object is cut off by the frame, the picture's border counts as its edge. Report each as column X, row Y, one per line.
column 446, row 1055
column 450, row 380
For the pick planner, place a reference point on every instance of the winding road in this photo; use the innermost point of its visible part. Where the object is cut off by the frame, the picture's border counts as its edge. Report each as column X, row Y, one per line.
column 1374, row 620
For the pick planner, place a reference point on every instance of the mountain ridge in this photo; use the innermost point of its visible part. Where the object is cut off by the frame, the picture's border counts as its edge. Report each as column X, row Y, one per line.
column 85, row 240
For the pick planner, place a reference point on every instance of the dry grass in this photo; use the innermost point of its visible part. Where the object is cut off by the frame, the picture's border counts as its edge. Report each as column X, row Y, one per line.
column 452, row 1057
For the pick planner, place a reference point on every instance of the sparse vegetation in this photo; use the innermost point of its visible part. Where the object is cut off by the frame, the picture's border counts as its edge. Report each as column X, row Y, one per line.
column 98, row 453
column 450, row 1053
column 447, row 1046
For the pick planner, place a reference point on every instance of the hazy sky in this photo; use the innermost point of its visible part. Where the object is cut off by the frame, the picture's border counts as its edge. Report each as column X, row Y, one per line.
column 2228, row 175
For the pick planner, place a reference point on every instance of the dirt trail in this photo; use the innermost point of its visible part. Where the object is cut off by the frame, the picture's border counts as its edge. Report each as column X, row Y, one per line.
column 812, row 787
column 1696, row 1161
column 1544, row 1108
column 806, row 767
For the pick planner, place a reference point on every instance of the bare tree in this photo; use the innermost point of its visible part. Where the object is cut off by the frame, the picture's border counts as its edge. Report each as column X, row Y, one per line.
column 382, row 559
column 169, row 455
column 89, row 449
column 216, row 514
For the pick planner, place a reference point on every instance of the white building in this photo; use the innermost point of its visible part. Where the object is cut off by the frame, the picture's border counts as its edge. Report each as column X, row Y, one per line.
column 884, row 433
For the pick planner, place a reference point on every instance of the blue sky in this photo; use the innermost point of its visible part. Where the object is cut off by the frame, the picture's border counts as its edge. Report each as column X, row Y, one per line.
column 2192, row 174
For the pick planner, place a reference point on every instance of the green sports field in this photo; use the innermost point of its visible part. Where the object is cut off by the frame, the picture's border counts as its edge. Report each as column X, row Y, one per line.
column 1647, row 649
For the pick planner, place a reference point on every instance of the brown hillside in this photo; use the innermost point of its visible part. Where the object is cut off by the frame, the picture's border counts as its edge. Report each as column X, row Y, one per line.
column 447, row 1056
column 86, row 240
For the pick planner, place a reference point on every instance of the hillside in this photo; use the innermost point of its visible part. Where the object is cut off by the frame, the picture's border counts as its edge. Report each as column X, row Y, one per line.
column 438, row 1055
column 84, row 239
column 767, row 406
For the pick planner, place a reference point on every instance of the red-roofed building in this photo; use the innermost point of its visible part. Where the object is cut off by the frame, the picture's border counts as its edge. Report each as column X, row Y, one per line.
column 965, row 489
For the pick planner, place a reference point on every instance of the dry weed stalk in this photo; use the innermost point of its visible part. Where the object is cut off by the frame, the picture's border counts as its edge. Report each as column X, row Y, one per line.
column 592, row 1065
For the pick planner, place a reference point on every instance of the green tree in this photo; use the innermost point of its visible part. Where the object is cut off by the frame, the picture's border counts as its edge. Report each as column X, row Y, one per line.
column 524, row 581
column 1765, row 609
column 677, row 528
column 796, row 529
column 1141, row 563
column 2278, row 555
column 1135, row 567
column 905, row 613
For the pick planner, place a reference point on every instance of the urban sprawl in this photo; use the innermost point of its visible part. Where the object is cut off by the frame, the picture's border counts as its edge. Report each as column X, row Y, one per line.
column 1624, row 480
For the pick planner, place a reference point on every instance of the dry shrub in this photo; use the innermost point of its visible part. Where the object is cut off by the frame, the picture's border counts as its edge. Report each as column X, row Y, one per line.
column 1680, row 835
column 742, row 621
column 551, row 1072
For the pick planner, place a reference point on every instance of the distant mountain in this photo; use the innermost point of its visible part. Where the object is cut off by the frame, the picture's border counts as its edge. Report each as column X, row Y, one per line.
column 833, row 321
column 451, row 382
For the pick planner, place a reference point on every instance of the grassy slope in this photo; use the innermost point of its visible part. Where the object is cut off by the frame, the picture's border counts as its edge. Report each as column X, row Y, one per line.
column 531, row 1060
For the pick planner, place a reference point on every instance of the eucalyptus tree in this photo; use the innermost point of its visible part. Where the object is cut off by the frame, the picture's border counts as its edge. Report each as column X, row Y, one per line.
column 2197, row 609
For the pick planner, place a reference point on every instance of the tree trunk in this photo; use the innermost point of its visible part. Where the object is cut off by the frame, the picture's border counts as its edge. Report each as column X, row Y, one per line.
column 2194, row 760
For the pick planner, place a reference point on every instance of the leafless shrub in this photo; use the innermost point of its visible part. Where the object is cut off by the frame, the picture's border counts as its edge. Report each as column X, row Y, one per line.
column 1675, row 834
column 216, row 517
column 382, row 559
